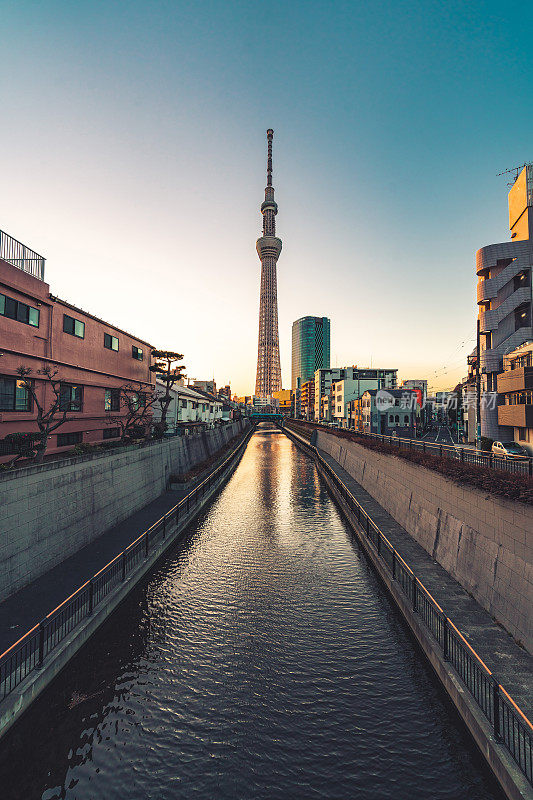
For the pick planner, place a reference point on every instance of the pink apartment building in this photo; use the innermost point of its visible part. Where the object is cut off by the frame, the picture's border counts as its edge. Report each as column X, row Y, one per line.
column 94, row 359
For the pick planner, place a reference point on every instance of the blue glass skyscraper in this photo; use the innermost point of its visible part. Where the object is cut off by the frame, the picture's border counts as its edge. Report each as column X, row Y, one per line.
column 310, row 348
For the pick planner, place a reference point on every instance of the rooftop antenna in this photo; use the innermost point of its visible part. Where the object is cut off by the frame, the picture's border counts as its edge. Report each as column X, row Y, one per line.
column 515, row 170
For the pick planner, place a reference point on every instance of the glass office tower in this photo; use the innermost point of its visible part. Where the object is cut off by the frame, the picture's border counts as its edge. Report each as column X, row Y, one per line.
column 310, row 348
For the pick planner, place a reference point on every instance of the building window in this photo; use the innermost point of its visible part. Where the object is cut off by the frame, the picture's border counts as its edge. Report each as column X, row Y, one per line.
column 14, row 396
column 110, row 342
column 139, row 400
column 13, row 309
column 66, row 439
column 183, row 403
column 73, row 326
column 406, row 420
column 391, row 418
column 112, row 400
column 136, row 353
column 70, row 397
column 110, row 433
column 397, row 418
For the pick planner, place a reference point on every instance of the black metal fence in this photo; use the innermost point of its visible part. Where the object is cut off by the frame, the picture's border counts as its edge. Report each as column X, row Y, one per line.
column 30, row 651
column 510, row 724
column 519, row 465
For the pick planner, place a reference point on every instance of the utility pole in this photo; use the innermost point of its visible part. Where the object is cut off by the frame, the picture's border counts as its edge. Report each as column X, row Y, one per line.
column 478, row 386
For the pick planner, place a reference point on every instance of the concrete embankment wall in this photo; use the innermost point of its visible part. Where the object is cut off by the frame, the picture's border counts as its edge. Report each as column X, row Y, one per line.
column 22, row 696
column 49, row 511
column 484, row 542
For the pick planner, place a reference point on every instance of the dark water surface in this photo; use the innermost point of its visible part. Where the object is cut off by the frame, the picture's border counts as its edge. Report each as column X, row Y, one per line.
column 262, row 660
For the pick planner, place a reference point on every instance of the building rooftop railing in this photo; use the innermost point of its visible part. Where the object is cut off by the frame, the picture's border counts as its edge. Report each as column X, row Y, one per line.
column 20, row 256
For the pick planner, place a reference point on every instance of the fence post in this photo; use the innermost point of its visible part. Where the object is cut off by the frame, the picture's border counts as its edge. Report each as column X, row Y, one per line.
column 496, row 703
column 462, row 456
column 394, row 565
column 42, row 628
column 379, row 543
column 124, row 566
column 445, row 638
column 414, row 593
column 91, row 597
column 146, row 544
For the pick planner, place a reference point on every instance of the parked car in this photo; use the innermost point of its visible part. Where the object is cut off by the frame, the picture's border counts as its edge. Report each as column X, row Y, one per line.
column 509, row 449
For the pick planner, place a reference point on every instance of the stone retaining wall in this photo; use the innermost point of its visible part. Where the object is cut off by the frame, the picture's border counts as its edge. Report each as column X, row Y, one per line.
column 484, row 542
column 51, row 510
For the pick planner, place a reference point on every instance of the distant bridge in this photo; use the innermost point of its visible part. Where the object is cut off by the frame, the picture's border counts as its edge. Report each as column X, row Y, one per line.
column 261, row 416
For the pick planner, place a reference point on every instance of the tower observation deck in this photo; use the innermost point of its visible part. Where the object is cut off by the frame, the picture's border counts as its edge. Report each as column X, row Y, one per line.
column 268, row 379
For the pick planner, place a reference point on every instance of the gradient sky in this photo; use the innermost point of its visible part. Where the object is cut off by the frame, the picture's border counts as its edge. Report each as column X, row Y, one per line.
column 133, row 157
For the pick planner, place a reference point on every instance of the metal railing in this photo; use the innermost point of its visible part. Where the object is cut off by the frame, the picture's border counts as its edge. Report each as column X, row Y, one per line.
column 20, row 256
column 509, row 723
column 30, row 651
column 518, row 465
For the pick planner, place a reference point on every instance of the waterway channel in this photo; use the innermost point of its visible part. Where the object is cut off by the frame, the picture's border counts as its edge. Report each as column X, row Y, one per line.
column 260, row 660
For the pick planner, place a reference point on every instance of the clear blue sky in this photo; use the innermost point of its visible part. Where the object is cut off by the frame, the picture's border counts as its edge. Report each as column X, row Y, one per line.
column 133, row 144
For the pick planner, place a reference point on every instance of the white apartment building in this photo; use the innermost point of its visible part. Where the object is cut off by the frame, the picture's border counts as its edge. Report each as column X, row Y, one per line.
column 343, row 393
column 187, row 405
column 365, row 377
column 504, row 296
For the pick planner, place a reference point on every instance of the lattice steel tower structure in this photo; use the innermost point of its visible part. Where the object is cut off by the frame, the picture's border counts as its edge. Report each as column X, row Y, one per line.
column 268, row 378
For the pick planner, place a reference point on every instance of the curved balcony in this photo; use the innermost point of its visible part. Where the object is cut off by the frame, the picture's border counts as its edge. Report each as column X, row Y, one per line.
column 488, row 289
column 491, row 360
column 488, row 257
column 489, row 320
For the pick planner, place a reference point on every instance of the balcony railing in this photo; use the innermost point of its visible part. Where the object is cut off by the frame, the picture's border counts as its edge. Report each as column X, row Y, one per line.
column 20, row 256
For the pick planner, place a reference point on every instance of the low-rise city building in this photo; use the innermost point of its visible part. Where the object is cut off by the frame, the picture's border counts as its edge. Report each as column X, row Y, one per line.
column 390, row 413
column 365, row 377
column 204, row 386
column 355, row 414
column 93, row 359
column 284, row 400
column 307, row 400
column 515, row 389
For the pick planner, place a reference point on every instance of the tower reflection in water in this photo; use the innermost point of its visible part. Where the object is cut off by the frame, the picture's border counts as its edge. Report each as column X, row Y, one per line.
column 260, row 660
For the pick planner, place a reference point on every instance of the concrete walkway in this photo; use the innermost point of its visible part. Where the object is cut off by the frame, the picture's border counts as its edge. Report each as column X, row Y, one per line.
column 29, row 605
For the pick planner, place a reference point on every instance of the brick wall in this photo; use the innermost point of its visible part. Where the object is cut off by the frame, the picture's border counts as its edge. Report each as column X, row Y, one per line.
column 50, row 511
column 486, row 543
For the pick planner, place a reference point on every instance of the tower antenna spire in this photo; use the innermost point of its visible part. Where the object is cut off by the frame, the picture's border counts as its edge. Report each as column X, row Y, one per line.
column 268, row 378
column 270, row 136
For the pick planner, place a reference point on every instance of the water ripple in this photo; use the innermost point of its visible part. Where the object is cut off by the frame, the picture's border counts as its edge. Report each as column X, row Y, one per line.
column 261, row 660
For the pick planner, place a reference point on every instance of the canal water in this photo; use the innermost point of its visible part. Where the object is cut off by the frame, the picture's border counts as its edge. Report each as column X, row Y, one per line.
column 261, row 660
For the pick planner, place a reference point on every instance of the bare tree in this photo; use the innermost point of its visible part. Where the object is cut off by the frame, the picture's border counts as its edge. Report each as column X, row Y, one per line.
column 135, row 406
column 168, row 372
column 51, row 416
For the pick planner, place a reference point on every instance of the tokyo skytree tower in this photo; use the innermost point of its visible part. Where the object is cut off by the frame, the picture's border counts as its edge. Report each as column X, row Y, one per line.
column 268, row 378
